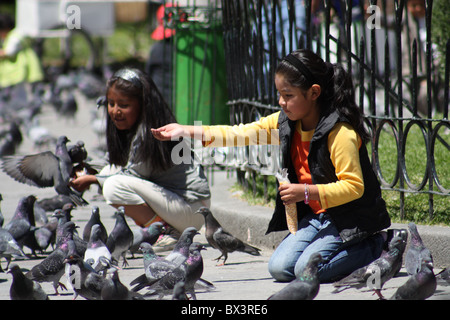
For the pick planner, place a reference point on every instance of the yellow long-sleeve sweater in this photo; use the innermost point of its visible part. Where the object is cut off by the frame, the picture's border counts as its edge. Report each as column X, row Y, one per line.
column 343, row 145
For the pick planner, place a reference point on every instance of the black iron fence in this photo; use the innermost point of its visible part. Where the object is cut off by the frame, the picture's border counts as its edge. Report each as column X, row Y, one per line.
column 400, row 74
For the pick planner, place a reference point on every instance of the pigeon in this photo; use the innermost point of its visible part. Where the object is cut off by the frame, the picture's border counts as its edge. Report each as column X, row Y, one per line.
column 419, row 286
column 55, row 202
column 222, row 240
column 45, row 169
column 52, row 268
column 22, row 224
column 45, row 236
column 181, row 250
column 77, row 152
column 154, row 267
column 9, row 248
column 10, row 139
column 190, row 271
column 417, row 253
column 85, row 281
column 80, row 244
column 194, row 268
column 113, row 289
column 79, row 156
column 149, row 235
column 95, row 219
column 443, row 278
column 96, row 248
column 23, row 288
column 69, row 106
column 304, row 287
column 120, row 239
column 7, row 145
column 377, row 273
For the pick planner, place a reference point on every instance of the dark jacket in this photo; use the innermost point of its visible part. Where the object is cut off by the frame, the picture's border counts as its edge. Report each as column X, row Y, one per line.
column 354, row 220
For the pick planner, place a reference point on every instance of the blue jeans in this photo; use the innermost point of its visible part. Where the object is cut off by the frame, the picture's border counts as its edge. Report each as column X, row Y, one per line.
column 316, row 233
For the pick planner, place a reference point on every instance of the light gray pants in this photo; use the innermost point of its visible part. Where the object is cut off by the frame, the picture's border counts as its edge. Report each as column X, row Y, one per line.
column 172, row 208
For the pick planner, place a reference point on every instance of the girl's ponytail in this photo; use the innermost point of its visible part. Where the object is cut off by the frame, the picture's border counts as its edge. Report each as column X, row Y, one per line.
column 343, row 100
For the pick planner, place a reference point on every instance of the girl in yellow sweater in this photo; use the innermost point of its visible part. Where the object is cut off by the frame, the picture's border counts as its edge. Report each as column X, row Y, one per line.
column 322, row 139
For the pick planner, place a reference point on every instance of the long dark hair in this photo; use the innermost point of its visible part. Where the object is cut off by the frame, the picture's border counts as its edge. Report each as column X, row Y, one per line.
column 337, row 91
column 154, row 113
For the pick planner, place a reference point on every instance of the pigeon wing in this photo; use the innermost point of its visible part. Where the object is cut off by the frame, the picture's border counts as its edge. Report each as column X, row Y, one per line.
column 36, row 170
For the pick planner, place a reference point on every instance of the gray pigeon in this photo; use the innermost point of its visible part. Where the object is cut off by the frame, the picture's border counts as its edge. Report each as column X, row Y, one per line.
column 77, row 152
column 113, row 289
column 194, row 268
column 189, row 272
column 417, row 253
column 64, row 215
column 52, row 268
column 155, row 268
column 165, row 284
column 377, row 273
column 443, row 278
column 306, row 286
column 22, row 224
column 85, row 281
column 45, row 169
column 69, row 106
column 120, row 238
column 181, row 250
column 96, row 248
column 419, row 286
column 9, row 248
column 95, row 219
column 44, row 236
column 222, row 240
column 23, row 288
column 149, row 235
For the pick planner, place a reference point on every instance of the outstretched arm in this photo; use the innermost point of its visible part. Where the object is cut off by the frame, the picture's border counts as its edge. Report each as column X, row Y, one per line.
column 173, row 131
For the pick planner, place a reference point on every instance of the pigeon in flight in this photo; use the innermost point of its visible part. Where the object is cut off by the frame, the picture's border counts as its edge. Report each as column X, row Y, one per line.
column 222, row 240
column 417, row 253
column 304, row 287
column 45, row 169
column 23, row 288
column 378, row 272
column 419, row 286
column 120, row 239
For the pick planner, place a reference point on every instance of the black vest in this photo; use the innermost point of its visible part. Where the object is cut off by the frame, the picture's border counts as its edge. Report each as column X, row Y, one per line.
column 354, row 220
